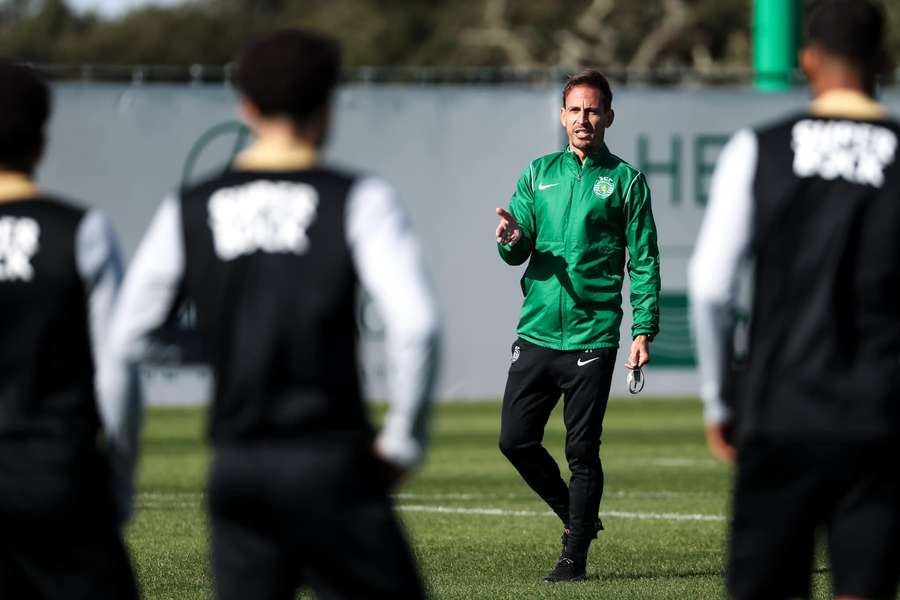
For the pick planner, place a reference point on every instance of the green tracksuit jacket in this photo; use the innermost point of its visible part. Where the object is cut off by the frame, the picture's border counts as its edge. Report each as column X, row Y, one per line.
column 577, row 221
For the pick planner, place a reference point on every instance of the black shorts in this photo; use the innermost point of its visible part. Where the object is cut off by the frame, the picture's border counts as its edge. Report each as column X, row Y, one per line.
column 786, row 490
column 86, row 561
column 311, row 515
column 59, row 535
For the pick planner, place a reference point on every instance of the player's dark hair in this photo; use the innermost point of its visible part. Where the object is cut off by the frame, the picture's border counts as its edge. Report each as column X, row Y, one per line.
column 289, row 72
column 851, row 30
column 594, row 79
column 24, row 109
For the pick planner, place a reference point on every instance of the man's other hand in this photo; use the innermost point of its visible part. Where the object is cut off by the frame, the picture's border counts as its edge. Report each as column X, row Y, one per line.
column 508, row 231
column 640, row 352
column 718, row 438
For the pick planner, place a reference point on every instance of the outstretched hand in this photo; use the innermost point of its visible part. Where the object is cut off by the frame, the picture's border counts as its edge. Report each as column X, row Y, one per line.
column 508, row 231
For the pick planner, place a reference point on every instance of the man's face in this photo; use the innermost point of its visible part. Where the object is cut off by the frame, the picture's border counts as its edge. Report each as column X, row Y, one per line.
column 585, row 118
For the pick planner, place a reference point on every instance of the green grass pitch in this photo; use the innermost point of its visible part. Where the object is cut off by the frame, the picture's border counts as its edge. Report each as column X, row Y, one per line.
column 477, row 531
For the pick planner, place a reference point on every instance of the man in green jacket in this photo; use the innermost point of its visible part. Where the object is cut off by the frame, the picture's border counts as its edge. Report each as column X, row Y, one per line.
column 574, row 214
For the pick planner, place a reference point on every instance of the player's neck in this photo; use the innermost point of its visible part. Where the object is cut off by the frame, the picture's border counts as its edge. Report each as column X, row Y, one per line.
column 842, row 93
column 578, row 154
column 838, row 77
column 278, row 150
column 15, row 185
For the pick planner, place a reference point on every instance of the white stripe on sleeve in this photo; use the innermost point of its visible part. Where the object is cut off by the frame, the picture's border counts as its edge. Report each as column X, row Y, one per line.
column 151, row 284
column 390, row 268
column 99, row 263
column 723, row 243
column 144, row 302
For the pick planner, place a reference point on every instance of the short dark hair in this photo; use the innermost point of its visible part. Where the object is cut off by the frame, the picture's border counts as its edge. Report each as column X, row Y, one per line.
column 851, row 30
column 289, row 72
column 594, row 79
column 24, row 110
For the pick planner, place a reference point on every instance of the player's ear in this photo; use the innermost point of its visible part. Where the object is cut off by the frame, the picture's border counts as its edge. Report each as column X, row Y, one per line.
column 249, row 112
column 562, row 116
column 610, row 117
column 810, row 60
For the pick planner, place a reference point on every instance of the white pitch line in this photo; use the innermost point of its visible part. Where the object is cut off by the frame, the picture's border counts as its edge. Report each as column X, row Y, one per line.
column 200, row 496
column 454, row 496
column 476, row 496
column 501, row 512
column 662, row 516
column 495, row 512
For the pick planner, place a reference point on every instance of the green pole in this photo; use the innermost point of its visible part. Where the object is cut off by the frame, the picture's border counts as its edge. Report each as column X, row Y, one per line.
column 775, row 39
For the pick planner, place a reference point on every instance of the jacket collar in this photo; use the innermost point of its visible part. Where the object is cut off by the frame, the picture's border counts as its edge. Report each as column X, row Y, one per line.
column 849, row 104
column 594, row 157
column 16, row 186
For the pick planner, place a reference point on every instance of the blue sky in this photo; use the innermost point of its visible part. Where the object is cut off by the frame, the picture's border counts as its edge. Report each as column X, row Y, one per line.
column 114, row 8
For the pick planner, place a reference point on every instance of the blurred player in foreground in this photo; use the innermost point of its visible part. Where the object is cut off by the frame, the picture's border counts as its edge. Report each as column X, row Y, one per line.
column 813, row 411
column 61, row 509
column 272, row 253
column 573, row 216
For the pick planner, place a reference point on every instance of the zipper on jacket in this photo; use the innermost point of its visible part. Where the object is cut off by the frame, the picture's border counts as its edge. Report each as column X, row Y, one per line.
column 562, row 320
column 578, row 168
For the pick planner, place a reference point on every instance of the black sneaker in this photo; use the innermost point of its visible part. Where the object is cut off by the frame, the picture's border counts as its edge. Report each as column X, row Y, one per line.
column 567, row 569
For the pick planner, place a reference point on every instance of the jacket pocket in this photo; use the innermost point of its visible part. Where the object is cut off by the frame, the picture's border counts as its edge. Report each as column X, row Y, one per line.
column 597, row 274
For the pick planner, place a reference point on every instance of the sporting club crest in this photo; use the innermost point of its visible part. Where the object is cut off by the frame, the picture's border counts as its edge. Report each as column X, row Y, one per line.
column 604, row 187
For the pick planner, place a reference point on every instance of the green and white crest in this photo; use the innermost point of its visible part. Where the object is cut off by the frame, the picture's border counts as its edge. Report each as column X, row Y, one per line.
column 604, row 187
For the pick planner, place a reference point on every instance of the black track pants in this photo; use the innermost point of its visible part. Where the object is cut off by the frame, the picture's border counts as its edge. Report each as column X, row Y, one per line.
column 537, row 378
